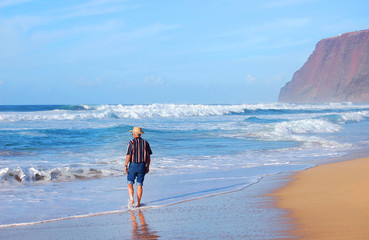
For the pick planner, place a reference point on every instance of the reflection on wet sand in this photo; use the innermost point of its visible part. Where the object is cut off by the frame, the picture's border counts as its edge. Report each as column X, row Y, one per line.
column 140, row 229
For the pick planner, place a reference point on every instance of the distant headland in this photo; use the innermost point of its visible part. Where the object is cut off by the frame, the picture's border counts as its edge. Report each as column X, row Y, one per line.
column 337, row 71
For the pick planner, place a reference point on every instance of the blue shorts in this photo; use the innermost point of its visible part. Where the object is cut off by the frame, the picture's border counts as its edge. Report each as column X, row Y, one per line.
column 136, row 170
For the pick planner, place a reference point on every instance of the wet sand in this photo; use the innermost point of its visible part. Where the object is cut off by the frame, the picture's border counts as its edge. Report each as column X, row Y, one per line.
column 329, row 201
column 245, row 214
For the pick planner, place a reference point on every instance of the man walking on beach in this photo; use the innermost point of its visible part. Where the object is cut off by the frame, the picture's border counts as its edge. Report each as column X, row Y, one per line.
column 137, row 163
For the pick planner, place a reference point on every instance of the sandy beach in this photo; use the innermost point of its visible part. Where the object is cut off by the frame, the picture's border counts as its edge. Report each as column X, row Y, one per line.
column 329, row 201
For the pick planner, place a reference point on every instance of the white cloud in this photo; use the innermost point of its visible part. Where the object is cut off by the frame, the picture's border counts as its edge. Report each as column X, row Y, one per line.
column 7, row 3
column 82, row 30
column 97, row 7
column 153, row 81
column 250, row 79
column 117, row 42
column 14, row 32
column 283, row 3
column 277, row 25
column 148, row 31
column 25, row 34
column 19, row 24
column 83, row 82
column 266, row 33
column 276, row 78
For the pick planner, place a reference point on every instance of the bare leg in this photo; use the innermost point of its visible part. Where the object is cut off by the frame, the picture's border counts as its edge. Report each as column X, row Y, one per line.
column 139, row 195
column 130, row 192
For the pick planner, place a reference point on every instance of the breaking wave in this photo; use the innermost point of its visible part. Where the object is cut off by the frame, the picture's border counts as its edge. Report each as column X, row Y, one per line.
column 83, row 112
column 60, row 174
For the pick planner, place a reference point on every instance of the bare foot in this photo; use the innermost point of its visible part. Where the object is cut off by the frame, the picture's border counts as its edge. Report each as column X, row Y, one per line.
column 138, row 205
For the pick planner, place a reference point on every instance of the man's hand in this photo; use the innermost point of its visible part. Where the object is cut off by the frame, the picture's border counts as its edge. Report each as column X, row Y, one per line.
column 128, row 160
column 147, row 169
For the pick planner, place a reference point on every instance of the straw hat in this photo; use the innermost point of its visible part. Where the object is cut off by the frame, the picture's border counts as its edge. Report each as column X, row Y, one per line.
column 137, row 130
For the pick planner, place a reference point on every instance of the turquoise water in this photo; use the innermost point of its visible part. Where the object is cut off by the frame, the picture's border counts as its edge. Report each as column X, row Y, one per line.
column 62, row 161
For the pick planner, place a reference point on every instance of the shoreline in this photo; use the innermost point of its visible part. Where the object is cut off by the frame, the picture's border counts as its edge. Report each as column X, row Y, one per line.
column 329, row 201
column 252, row 213
column 244, row 214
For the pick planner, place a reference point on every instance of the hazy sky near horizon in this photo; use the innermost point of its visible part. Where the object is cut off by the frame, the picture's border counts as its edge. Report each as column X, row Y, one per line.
column 162, row 51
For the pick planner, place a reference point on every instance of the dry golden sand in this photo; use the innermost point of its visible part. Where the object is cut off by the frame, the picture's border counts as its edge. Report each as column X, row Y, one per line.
column 329, row 201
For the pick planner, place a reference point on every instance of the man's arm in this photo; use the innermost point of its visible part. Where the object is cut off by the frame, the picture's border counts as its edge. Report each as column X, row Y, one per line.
column 128, row 159
column 148, row 159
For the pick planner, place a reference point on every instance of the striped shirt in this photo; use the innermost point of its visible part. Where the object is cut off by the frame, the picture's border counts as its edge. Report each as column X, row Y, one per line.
column 139, row 149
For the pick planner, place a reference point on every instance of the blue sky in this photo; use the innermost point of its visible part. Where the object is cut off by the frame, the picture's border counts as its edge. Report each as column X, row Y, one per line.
column 162, row 51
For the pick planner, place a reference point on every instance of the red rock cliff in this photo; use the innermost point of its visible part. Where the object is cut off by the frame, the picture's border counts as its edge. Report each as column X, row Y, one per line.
column 337, row 71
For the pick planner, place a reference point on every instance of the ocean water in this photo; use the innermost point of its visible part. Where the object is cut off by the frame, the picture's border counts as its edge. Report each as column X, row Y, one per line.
column 65, row 161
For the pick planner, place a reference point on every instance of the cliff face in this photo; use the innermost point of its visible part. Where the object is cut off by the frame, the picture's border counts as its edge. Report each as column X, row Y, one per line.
column 337, row 71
